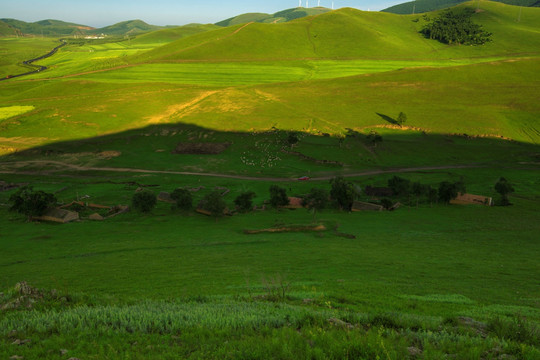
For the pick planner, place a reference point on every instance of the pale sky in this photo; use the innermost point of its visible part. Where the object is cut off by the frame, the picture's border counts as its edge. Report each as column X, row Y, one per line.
column 99, row 13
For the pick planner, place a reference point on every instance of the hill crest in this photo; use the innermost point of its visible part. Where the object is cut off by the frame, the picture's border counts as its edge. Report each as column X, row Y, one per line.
column 278, row 17
column 423, row 6
column 349, row 33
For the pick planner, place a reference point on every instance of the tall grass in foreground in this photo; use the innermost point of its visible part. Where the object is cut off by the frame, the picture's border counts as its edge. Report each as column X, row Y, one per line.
column 244, row 328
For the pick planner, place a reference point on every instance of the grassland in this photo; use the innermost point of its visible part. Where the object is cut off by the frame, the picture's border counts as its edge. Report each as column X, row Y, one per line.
column 422, row 6
column 14, row 51
column 412, row 284
column 431, row 281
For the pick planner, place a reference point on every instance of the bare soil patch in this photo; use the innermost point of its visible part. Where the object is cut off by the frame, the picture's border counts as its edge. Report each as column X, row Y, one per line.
column 200, row 148
column 293, row 228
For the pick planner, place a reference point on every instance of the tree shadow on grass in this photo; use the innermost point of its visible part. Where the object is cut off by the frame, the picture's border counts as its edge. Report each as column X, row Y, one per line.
column 388, row 118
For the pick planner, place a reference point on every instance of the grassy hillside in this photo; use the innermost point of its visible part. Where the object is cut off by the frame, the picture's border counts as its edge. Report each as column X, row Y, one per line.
column 171, row 34
column 482, row 99
column 349, row 33
column 130, row 27
column 281, row 16
column 57, row 28
column 389, row 38
column 6, row 30
column 408, row 282
column 480, row 86
column 47, row 27
column 422, row 6
column 13, row 51
column 427, row 280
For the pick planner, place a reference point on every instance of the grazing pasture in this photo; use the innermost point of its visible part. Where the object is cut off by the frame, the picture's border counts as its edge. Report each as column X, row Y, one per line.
column 207, row 108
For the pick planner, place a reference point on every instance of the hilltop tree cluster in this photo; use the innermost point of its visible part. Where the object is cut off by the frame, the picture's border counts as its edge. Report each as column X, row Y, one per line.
column 456, row 27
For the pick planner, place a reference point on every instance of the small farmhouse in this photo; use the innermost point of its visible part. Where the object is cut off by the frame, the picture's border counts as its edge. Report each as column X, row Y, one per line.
column 466, row 199
column 364, row 206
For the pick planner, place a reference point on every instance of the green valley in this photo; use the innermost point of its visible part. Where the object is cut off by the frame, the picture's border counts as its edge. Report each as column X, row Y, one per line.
column 237, row 107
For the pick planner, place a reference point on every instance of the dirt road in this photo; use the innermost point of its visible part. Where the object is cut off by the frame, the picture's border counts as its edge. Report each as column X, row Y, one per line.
column 51, row 167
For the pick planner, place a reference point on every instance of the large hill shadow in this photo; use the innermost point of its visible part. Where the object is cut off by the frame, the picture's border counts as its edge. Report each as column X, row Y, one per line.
column 156, row 149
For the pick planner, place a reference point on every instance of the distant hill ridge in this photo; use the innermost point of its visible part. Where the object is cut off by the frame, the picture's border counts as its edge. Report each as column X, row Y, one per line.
column 12, row 27
column 422, row 6
column 279, row 17
column 127, row 27
column 47, row 27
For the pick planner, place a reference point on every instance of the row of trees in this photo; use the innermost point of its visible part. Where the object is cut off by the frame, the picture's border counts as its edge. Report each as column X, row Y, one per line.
column 33, row 203
column 445, row 192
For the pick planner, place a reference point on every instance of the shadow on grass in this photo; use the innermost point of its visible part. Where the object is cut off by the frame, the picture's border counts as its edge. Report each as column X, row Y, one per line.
column 154, row 150
column 388, row 118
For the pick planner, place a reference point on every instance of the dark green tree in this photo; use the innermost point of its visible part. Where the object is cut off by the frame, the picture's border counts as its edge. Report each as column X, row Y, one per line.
column 432, row 195
column 342, row 192
column 278, row 196
column 215, row 204
column 292, row 138
column 448, row 191
column 144, row 201
column 31, row 203
column 375, row 138
column 244, row 201
column 456, row 27
column 183, row 199
column 400, row 186
column 503, row 187
column 316, row 200
column 401, row 119
column 387, row 203
column 419, row 190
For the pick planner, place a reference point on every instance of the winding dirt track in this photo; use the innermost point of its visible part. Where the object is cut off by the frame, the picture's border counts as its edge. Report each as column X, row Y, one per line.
column 58, row 166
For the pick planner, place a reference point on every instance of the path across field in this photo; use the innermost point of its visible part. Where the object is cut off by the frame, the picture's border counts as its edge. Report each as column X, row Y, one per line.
column 56, row 166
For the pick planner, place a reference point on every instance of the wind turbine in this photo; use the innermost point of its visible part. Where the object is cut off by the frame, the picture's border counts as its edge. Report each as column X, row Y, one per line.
column 319, row 3
column 307, row 3
column 332, row 5
column 299, row 3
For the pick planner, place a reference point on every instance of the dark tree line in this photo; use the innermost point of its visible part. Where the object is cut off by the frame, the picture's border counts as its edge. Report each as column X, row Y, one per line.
column 342, row 194
column 456, row 27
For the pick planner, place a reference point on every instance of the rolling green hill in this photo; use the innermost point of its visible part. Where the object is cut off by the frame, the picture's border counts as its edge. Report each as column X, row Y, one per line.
column 422, row 6
column 172, row 34
column 281, row 16
column 131, row 27
column 348, row 34
column 205, row 108
column 6, row 30
column 55, row 28
column 47, row 27
column 302, row 58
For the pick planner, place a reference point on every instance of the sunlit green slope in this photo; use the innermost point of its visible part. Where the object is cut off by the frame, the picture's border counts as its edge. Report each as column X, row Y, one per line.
column 492, row 99
column 422, row 6
column 171, row 34
column 350, row 33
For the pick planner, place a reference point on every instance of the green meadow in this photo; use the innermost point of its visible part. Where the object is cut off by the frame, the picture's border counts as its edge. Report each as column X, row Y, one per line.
column 427, row 280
